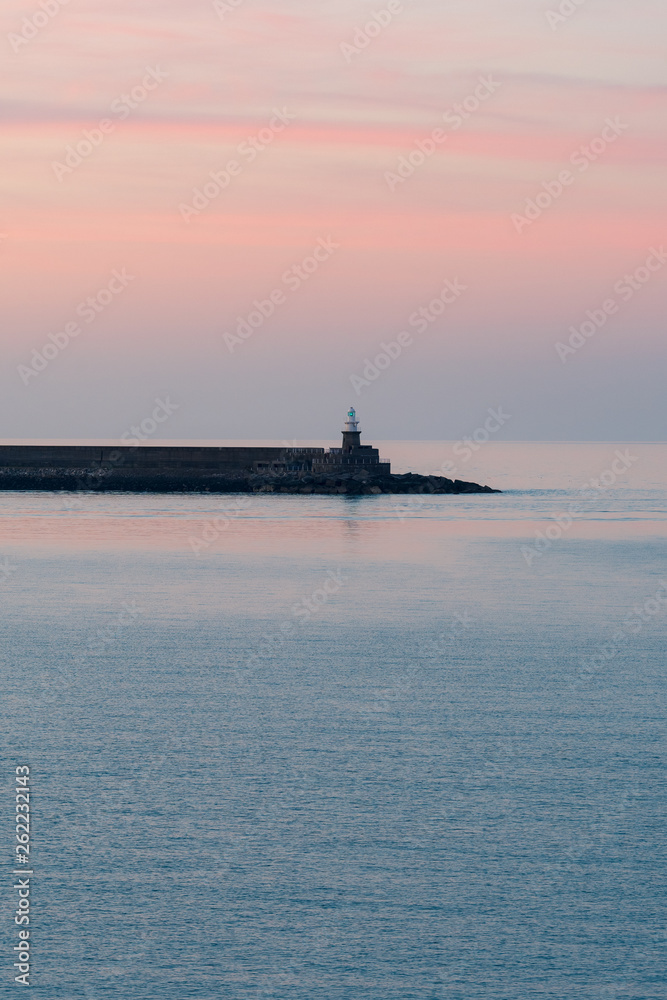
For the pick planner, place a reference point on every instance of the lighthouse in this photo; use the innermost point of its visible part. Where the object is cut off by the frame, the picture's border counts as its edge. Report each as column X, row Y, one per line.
column 351, row 433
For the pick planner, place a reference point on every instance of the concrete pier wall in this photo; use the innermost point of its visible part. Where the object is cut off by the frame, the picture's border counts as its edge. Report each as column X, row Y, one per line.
column 168, row 459
column 153, row 459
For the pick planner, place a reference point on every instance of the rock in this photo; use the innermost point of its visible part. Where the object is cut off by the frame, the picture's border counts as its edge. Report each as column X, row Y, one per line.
column 132, row 481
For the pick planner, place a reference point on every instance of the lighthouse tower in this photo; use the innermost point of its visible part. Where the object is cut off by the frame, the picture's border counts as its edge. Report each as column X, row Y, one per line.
column 351, row 433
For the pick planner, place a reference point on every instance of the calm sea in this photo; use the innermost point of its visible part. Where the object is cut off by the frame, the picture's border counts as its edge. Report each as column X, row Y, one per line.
column 373, row 748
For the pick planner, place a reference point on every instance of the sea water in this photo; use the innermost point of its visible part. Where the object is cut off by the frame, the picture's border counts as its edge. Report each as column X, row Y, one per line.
column 349, row 748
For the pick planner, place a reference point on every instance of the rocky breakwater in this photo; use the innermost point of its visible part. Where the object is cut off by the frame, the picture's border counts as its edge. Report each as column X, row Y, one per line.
column 365, row 484
column 354, row 483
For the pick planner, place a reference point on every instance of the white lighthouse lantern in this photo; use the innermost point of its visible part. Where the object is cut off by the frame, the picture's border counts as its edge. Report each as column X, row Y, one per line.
column 352, row 424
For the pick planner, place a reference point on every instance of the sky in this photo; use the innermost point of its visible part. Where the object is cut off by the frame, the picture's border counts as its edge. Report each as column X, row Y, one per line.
column 238, row 208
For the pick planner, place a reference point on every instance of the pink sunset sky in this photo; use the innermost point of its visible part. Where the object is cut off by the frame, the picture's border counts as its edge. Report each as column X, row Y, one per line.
column 318, row 118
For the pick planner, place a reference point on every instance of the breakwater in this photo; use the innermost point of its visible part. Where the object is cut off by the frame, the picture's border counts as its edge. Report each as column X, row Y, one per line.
column 169, row 469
